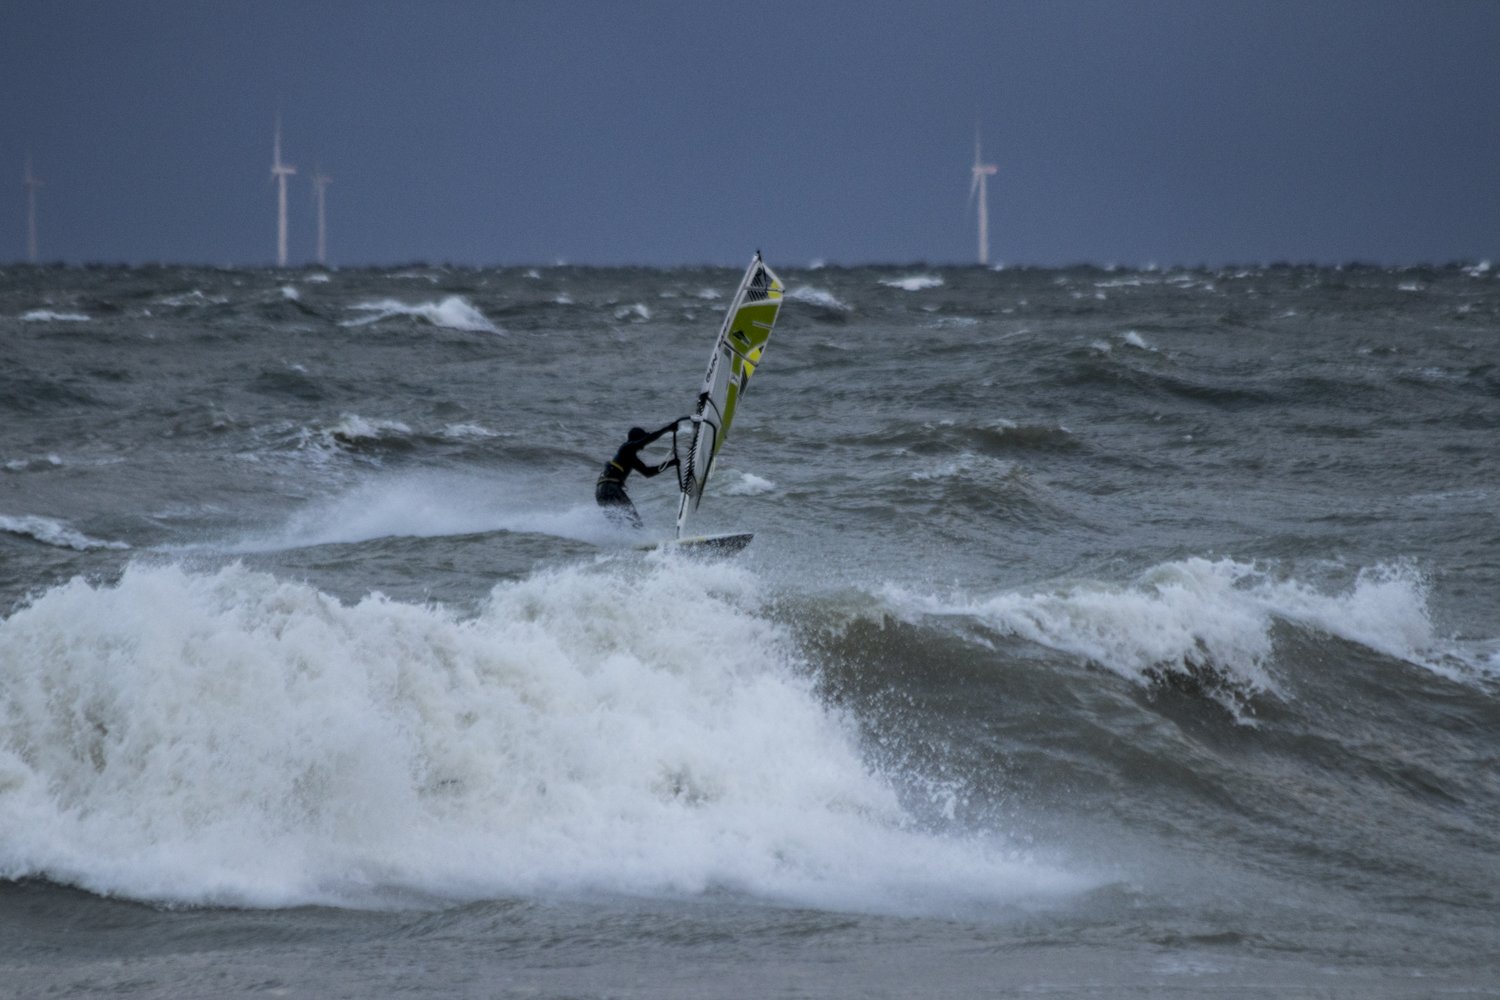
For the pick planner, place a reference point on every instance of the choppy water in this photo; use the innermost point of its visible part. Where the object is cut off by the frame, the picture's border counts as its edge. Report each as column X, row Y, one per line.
column 1106, row 633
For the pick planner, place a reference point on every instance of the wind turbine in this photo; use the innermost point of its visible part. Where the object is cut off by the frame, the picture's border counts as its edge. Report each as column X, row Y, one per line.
column 279, row 173
column 320, row 183
column 30, row 183
column 981, row 172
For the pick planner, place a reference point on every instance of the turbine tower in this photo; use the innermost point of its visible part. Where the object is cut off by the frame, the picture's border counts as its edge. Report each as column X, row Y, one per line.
column 30, row 183
column 279, row 173
column 320, row 183
column 981, row 173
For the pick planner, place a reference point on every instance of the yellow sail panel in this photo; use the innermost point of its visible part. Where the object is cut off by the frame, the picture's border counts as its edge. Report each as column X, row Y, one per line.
column 747, row 341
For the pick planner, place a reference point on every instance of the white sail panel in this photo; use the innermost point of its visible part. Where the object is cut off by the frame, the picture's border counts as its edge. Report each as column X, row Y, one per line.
column 737, row 352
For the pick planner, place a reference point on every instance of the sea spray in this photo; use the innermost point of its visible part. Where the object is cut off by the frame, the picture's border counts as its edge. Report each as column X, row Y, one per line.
column 421, row 504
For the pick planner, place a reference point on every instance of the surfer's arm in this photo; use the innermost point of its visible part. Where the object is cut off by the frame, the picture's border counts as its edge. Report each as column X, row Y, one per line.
column 662, row 430
column 651, row 470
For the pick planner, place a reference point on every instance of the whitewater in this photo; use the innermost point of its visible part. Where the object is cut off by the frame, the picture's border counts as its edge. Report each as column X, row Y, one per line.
column 1106, row 632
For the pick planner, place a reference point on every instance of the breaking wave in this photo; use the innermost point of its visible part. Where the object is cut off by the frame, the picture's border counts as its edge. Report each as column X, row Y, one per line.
column 229, row 737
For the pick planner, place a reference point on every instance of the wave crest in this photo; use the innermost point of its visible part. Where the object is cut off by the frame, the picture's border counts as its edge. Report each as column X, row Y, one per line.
column 56, row 533
column 454, row 313
column 1204, row 624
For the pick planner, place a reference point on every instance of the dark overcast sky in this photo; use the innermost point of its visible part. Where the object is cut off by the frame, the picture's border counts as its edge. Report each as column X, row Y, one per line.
column 1173, row 132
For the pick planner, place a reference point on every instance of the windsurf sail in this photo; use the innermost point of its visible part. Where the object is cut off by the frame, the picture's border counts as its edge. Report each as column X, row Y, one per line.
column 737, row 353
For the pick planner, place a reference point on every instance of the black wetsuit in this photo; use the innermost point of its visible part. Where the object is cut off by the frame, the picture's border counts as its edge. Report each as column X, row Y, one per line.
column 610, row 493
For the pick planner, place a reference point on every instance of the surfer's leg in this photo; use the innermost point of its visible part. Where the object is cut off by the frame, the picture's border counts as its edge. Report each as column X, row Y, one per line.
column 623, row 513
column 616, row 505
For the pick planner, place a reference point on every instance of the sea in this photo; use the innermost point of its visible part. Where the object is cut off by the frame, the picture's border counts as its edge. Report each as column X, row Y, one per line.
column 1107, row 632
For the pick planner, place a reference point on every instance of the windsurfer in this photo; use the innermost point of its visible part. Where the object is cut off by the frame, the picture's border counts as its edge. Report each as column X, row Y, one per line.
column 610, row 493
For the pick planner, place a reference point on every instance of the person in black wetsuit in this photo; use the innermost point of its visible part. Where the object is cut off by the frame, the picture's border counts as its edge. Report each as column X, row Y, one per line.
column 610, row 490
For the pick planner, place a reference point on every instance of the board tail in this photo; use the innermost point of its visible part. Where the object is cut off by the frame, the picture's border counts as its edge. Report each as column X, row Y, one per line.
column 737, row 352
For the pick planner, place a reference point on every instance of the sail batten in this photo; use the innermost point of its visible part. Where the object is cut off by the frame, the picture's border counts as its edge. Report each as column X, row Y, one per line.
column 736, row 354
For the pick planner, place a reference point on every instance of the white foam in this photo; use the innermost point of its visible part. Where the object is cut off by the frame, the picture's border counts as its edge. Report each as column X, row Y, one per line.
column 353, row 427
column 231, row 738
column 914, row 283
column 334, row 443
column 818, row 297
column 51, row 461
column 50, row 316
column 454, row 313
column 745, row 484
column 290, row 293
column 635, row 313
column 193, row 298
column 952, row 322
column 965, row 465
column 468, row 432
column 53, row 532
